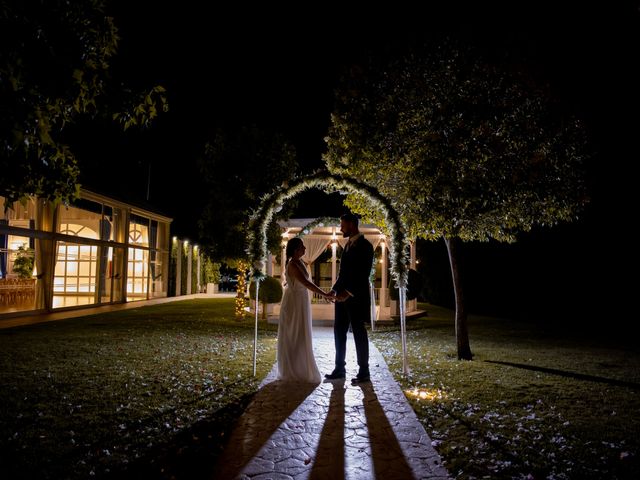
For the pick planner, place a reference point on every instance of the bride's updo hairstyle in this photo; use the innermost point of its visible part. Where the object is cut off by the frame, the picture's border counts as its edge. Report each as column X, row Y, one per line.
column 292, row 246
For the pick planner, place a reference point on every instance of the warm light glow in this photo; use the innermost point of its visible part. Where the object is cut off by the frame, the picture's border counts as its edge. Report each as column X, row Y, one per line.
column 431, row 395
column 186, row 242
column 240, row 290
column 19, row 242
column 175, row 239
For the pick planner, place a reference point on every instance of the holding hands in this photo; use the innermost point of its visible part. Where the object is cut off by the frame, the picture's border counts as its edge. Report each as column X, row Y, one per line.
column 333, row 296
column 330, row 295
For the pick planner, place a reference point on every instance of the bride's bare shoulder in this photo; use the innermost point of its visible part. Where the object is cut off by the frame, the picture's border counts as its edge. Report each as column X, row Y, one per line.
column 296, row 268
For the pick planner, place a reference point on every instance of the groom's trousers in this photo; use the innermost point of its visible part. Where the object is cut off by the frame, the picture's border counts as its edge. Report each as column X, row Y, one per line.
column 354, row 314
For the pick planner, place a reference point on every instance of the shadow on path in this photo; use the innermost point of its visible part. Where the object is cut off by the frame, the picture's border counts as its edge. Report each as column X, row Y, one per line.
column 389, row 460
column 272, row 406
column 564, row 373
column 366, row 448
column 329, row 462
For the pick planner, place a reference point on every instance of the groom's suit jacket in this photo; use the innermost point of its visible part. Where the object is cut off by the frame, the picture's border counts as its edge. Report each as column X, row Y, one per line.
column 355, row 269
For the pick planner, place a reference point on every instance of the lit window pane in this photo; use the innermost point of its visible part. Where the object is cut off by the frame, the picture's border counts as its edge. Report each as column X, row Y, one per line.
column 84, row 285
column 84, row 270
column 59, row 268
column 58, row 284
column 72, row 252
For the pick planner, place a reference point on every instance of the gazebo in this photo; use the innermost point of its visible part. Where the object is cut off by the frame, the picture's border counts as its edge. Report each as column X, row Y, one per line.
column 323, row 235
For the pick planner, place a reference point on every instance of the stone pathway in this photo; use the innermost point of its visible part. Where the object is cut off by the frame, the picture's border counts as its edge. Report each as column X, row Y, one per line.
column 331, row 431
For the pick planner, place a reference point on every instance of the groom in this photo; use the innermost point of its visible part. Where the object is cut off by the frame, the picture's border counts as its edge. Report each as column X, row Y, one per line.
column 352, row 297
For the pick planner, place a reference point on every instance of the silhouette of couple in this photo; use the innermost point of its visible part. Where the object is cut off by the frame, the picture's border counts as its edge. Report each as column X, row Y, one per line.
column 350, row 294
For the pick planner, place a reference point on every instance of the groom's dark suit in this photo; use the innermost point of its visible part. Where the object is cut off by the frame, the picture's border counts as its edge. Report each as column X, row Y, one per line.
column 355, row 269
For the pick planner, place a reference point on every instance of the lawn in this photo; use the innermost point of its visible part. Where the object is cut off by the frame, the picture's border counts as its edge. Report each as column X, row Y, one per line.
column 152, row 393
column 536, row 401
column 152, row 390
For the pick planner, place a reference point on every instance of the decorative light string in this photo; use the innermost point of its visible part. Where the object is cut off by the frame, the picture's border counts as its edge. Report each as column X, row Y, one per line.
column 240, row 289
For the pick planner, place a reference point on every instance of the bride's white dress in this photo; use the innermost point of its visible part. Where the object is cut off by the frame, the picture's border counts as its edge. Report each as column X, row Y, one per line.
column 296, row 362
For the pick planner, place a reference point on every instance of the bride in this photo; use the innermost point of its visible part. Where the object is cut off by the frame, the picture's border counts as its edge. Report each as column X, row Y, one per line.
column 296, row 362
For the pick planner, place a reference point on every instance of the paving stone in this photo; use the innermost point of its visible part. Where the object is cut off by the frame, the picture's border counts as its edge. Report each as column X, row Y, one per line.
column 293, row 466
column 331, row 430
column 257, row 466
column 272, row 476
column 275, row 455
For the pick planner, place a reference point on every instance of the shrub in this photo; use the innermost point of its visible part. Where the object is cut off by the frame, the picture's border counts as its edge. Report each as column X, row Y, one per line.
column 270, row 291
column 211, row 271
column 23, row 264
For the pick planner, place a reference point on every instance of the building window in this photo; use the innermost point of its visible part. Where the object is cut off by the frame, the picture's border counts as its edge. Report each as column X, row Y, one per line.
column 139, row 231
column 74, row 282
column 137, row 274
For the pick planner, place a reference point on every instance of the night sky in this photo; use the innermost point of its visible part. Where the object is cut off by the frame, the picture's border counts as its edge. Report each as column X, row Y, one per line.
column 277, row 67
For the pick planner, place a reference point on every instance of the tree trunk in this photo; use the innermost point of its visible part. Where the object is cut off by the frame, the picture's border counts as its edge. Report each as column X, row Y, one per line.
column 462, row 332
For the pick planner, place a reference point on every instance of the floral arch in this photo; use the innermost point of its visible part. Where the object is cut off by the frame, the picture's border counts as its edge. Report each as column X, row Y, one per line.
column 273, row 202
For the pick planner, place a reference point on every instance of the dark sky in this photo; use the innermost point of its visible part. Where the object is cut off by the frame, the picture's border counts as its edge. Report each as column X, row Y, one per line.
column 277, row 67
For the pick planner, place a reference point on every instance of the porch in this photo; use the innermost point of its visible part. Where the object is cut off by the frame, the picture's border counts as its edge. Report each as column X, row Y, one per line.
column 324, row 244
column 323, row 311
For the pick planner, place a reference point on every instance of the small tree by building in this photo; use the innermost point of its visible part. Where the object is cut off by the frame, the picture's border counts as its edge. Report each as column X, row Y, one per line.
column 24, row 262
column 211, row 271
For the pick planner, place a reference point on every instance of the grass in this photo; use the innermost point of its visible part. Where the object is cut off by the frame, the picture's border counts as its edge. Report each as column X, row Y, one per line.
column 536, row 402
column 151, row 390
column 152, row 393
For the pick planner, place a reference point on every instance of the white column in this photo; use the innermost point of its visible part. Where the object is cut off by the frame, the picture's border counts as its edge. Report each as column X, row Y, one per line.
column 383, row 270
column 178, row 267
column 270, row 265
column 199, row 267
column 283, row 260
column 270, row 273
column 189, row 266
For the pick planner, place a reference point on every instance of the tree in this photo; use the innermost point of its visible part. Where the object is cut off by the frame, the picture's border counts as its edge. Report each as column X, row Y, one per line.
column 24, row 262
column 270, row 291
column 55, row 63
column 465, row 149
column 237, row 169
column 211, row 271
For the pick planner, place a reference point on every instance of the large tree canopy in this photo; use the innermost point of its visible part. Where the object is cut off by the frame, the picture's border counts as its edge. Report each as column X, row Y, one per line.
column 237, row 169
column 466, row 150
column 55, row 62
